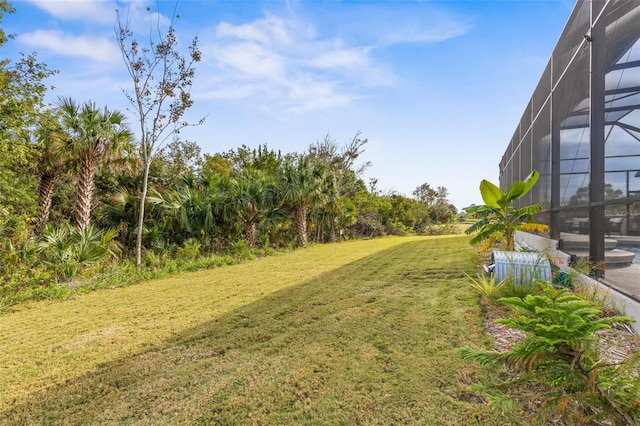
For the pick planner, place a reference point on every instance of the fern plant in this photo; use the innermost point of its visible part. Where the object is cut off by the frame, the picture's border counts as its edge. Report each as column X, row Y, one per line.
column 561, row 351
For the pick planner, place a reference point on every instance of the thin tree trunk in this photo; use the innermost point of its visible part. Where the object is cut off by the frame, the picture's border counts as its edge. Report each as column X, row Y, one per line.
column 332, row 230
column 301, row 225
column 250, row 232
column 45, row 195
column 84, row 194
column 250, row 223
column 143, row 197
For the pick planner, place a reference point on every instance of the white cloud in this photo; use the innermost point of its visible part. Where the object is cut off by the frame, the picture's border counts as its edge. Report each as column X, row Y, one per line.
column 251, row 60
column 269, row 30
column 303, row 64
column 417, row 32
column 224, row 91
column 133, row 12
column 102, row 11
column 95, row 48
column 385, row 24
column 284, row 63
column 311, row 95
column 341, row 58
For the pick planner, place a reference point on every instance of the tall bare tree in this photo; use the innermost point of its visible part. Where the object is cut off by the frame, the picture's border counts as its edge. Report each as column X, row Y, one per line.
column 162, row 78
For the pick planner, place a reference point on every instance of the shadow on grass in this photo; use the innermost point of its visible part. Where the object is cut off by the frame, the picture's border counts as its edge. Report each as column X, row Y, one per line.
column 373, row 342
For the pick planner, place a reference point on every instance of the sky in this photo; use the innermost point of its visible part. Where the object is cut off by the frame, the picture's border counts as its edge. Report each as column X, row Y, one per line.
column 436, row 87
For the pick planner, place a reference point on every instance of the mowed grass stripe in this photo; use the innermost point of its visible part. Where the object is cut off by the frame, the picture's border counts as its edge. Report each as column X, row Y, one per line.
column 39, row 342
column 357, row 333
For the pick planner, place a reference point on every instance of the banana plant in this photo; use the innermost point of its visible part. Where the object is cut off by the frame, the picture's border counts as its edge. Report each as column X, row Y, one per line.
column 498, row 219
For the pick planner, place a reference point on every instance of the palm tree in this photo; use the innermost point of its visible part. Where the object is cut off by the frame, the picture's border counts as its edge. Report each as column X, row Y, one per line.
column 93, row 136
column 249, row 196
column 49, row 167
column 300, row 185
column 122, row 213
column 185, row 212
column 326, row 203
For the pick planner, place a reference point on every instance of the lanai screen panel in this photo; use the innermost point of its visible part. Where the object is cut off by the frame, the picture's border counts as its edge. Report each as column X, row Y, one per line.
column 571, row 115
column 622, row 115
column 541, row 156
column 555, row 131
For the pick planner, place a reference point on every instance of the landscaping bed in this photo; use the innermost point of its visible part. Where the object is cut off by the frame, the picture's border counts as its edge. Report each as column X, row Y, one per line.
column 601, row 390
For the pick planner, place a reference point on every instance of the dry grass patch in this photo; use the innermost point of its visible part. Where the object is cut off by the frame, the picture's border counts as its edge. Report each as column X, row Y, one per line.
column 363, row 332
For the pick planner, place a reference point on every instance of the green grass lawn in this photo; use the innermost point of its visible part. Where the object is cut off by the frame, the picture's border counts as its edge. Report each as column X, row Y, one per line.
column 362, row 332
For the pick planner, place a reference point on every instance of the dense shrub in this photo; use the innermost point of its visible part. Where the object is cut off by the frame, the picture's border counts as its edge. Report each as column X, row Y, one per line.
column 561, row 353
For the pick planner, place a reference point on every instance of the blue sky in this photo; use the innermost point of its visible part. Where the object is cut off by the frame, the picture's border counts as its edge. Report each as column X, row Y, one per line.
column 437, row 87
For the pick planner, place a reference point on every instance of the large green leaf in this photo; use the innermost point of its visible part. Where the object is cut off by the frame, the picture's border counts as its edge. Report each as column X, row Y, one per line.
column 490, row 193
column 530, row 181
column 516, row 190
column 520, row 188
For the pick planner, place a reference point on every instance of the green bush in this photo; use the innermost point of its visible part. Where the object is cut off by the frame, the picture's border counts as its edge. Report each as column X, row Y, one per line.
column 190, row 249
column 151, row 260
column 561, row 353
column 241, row 250
column 440, row 229
column 522, row 290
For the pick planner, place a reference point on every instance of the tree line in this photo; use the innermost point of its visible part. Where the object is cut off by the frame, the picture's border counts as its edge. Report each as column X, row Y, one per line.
column 78, row 189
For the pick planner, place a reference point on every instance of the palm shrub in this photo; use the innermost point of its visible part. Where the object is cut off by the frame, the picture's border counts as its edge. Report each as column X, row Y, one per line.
column 66, row 249
column 561, row 352
column 121, row 211
column 190, row 249
column 17, row 256
column 241, row 250
column 498, row 219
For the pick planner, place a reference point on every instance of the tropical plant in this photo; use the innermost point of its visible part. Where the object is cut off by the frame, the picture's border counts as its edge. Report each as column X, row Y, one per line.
column 344, row 215
column 50, row 165
column 66, row 248
column 498, row 219
column 190, row 249
column 486, row 285
column 331, row 209
column 511, row 288
column 325, row 208
column 184, row 212
column 301, row 183
column 250, row 201
column 121, row 212
column 561, row 351
column 14, row 257
column 93, row 135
